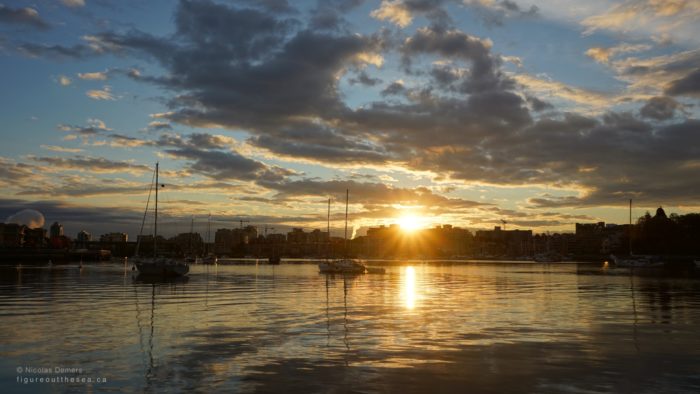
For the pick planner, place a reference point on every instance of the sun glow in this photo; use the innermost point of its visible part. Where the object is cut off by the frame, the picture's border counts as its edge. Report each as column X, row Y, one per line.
column 410, row 223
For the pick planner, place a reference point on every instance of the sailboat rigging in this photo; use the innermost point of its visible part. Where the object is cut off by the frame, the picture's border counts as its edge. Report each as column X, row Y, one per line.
column 345, row 265
column 158, row 266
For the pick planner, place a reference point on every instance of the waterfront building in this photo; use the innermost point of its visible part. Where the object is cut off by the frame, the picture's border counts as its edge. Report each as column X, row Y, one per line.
column 56, row 230
column 114, row 237
column 11, row 234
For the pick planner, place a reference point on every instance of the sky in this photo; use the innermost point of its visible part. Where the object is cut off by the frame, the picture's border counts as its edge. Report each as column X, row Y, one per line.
column 538, row 113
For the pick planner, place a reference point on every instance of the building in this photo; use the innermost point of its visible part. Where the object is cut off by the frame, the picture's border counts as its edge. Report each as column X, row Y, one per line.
column 83, row 237
column 498, row 243
column 34, row 237
column 11, row 234
column 114, row 237
column 56, row 230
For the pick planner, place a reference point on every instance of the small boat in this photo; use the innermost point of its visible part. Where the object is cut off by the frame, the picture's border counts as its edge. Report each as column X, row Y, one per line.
column 342, row 266
column 210, row 259
column 158, row 266
column 274, row 259
column 161, row 267
column 638, row 262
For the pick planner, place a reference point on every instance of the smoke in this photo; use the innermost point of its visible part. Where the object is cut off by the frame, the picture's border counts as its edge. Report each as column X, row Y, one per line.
column 28, row 217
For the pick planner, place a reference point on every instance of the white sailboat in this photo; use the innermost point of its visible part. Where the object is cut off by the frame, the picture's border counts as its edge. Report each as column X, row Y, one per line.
column 344, row 265
column 158, row 266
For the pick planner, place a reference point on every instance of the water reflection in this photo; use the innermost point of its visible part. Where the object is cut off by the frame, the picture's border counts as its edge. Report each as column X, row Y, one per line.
column 409, row 287
column 495, row 328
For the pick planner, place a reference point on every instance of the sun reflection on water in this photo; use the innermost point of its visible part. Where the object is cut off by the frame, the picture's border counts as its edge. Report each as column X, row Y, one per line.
column 409, row 287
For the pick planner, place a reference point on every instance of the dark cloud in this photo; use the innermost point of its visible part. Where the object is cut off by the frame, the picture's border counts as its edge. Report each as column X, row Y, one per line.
column 538, row 105
column 92, row 164
column 328, row 14
column 367, row 193
column 484, row 73
column 660, row 108
column 77, row 51
column 394, row 88
column 228, row 165
column 686, row 86
column 363, row 78
column 495, row 13
column 276, row 6
column 23, row 16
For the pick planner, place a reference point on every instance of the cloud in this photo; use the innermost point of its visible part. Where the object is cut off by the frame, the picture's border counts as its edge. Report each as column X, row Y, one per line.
column 104, row 94
column 63, row 80
column 603, row 55
column 648, row 18
column 363, row 79
column 544, row 86
column 461, row 119
column 54, row 148
column 92, row 164
column 73, row 3
column 94, row 126
column 395, row 12
column 689, row 85
column 13, row 173
column 94, row 76
column 672, row 74
column 494, row 12
column 23, row 16
column 394, row 88
column 369, row 194
column 660, row 108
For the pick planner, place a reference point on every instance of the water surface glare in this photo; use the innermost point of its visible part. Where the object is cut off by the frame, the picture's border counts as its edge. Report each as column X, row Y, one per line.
column 419, row 328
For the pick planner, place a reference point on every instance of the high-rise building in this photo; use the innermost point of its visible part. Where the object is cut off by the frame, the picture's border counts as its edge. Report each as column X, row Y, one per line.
column 56, row 230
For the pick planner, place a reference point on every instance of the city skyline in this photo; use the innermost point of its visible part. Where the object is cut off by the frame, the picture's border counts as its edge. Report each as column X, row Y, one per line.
column 538, row 113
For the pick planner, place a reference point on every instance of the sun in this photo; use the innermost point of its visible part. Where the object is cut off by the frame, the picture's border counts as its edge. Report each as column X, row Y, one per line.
column 410, row 223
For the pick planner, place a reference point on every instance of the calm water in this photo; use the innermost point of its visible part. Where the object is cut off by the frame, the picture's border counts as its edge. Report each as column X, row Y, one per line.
column 460, row 328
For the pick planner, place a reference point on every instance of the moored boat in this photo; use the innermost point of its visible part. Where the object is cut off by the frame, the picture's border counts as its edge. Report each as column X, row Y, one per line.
column 158, row 266
column 638, row 261
column 342, row 266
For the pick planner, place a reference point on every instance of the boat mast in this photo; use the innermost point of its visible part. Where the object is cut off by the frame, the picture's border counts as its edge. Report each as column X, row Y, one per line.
column 328, row 224
column 208, row 232
column 155, row 219
column 630, row 232
column 345, row 240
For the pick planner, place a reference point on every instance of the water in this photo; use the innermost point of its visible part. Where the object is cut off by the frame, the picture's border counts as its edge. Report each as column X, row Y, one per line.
column 421, row 328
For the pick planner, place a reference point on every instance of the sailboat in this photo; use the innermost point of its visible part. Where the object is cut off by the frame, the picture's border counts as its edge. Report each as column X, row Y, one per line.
column 345, row 265
column 191, row 257
column 158, row 266
column 636, row 261
column 209, row 258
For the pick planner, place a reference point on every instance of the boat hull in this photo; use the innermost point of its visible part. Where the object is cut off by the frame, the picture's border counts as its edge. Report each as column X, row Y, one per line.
column 162, row 267
column 638, row 262
column 345, row 266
